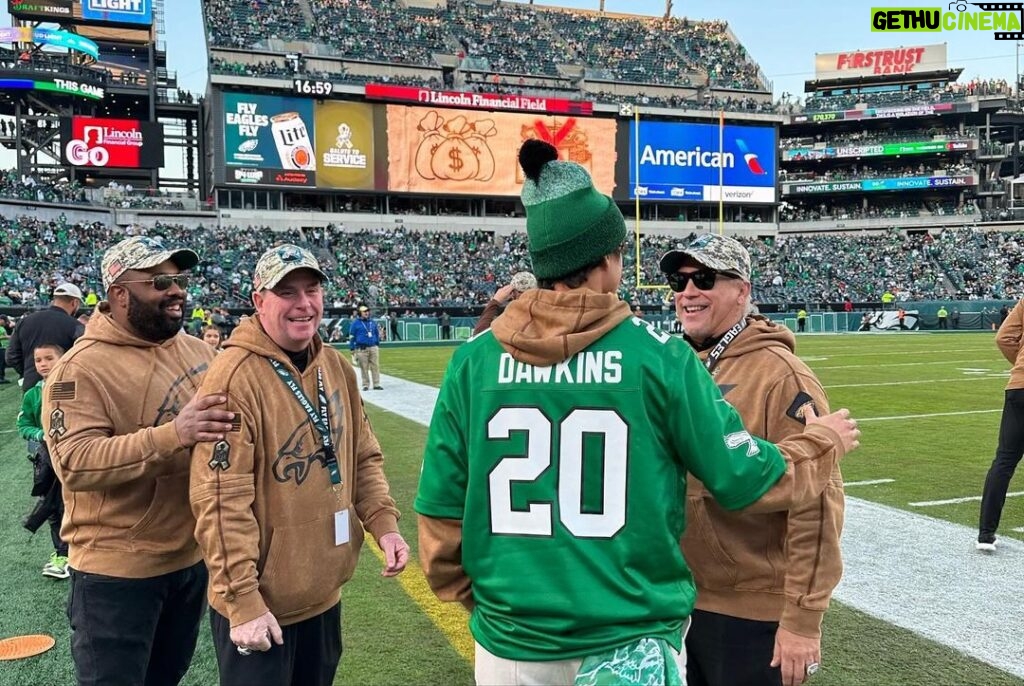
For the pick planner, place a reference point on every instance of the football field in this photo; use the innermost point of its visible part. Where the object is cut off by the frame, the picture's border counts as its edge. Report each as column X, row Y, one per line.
column 917, row 604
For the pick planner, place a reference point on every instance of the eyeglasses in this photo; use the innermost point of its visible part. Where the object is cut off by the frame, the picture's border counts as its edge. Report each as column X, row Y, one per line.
column 703, row 279
column 162, row 282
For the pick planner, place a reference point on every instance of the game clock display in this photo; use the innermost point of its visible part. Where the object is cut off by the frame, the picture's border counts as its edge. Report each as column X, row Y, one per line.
column 315, row 88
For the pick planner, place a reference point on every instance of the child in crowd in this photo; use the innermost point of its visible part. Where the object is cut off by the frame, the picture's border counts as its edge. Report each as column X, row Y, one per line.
column 46, row 485
column 213, row 336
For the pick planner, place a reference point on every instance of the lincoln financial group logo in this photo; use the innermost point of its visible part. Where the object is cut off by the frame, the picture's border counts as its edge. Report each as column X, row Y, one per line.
column 1004, row 19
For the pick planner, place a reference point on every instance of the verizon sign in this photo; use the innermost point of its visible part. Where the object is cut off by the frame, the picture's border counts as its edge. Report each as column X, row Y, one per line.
column 477, row 101
column 882, row 61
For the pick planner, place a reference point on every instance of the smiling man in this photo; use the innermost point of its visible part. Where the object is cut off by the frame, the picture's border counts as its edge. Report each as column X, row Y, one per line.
column 757, row 619
column 281, row 502
column 120, row 413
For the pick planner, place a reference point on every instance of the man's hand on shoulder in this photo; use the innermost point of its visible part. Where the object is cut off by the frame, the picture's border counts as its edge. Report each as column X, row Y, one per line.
column 504, row 294
column 840, row 422
column 201, row 421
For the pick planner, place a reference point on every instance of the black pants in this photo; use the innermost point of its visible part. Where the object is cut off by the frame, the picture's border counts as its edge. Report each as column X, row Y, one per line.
column 801, row 325
column 728, row 651
column 55, row 518
column 943, row 323
column 1008, row 454
column 135, row 632
column 309, row 656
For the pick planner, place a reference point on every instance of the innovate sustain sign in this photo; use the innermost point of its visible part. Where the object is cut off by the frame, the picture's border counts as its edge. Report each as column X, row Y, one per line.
column 683, row 162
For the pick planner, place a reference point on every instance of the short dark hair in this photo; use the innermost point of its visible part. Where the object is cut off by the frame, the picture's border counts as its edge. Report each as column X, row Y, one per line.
column 49, row 346
column 578, row 277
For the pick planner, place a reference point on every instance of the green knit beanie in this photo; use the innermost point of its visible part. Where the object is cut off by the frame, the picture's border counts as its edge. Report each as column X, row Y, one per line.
column 568, row 223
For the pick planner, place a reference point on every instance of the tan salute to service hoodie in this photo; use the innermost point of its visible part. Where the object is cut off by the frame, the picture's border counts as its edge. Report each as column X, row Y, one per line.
column 766, row 565
column 108, row 409
column 263, row 498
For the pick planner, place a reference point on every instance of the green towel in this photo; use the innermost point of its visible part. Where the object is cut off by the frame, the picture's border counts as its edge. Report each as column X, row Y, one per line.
column 648, row 662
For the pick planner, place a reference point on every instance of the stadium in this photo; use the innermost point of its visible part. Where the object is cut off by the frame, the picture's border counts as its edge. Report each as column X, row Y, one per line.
column 382, row 135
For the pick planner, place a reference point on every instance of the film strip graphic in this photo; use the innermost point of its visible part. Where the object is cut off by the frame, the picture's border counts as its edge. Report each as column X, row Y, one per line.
column 1001, row 7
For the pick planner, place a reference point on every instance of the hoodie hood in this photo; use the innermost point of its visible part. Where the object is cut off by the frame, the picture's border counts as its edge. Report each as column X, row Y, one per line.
column 761, row 332
column 543, row 327
column 102, row 327
column 250, row 335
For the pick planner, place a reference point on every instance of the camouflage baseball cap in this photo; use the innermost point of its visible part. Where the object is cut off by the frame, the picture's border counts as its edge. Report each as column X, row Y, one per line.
column 721, row 253
column 281, row 260
column 142, row 252
column 524, row 281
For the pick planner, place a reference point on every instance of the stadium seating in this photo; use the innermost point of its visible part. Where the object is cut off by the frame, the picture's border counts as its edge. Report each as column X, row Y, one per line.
column 613, row 47
column 386, row 267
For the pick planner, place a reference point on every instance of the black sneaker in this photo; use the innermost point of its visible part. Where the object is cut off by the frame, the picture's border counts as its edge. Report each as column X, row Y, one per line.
column 378, row 388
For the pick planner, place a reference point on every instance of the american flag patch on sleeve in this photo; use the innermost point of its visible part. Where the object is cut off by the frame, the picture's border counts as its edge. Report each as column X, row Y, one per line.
column 62, row 390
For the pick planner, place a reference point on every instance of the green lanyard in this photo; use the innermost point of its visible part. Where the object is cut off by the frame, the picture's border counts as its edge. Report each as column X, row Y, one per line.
column 321, row 420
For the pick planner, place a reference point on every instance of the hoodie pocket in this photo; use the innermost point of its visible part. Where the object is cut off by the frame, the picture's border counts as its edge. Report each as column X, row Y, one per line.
column 167, row 525
column 711, row 565
column 304, row 568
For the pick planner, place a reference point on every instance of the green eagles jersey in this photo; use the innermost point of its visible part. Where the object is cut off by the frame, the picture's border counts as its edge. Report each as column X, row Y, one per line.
column 570, row 482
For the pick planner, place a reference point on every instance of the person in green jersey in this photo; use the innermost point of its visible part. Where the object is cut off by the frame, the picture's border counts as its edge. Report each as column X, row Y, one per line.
column 553, row 488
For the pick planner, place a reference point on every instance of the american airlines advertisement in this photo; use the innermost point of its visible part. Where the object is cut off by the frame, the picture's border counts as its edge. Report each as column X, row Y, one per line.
column 673, row 161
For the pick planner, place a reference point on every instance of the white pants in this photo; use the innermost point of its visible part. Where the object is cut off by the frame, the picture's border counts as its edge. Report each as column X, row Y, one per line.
column 492, row 670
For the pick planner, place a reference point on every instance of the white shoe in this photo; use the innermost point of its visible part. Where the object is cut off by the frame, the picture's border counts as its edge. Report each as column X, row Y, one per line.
column 986, row 546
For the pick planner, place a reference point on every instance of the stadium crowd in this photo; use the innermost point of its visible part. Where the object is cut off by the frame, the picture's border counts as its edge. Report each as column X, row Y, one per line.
column 385, row 268
column 638, row 49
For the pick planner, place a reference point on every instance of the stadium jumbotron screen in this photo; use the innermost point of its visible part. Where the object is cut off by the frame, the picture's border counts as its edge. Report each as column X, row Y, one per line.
column 683, row 161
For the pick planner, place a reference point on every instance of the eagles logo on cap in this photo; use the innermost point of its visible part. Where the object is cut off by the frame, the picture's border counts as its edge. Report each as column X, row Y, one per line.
column 281, row 260
column 142, row 252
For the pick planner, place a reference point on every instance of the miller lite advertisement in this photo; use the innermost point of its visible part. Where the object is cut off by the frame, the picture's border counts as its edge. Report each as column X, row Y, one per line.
column 117, row 143
column 271, row 140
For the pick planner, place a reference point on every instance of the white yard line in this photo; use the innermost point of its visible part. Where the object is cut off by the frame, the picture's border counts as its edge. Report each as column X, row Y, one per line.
column 909, row 383
column 897, row 364
column 859, row 352
column 925, row 416
column 910, row 570
column 957, row 501
column 869, row 482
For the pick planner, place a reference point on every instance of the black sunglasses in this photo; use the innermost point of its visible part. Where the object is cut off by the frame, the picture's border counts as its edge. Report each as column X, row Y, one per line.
column 162, row 282
column 703, row 279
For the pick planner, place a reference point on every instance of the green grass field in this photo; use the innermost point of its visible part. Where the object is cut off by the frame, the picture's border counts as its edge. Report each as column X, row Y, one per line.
column 392, row 631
